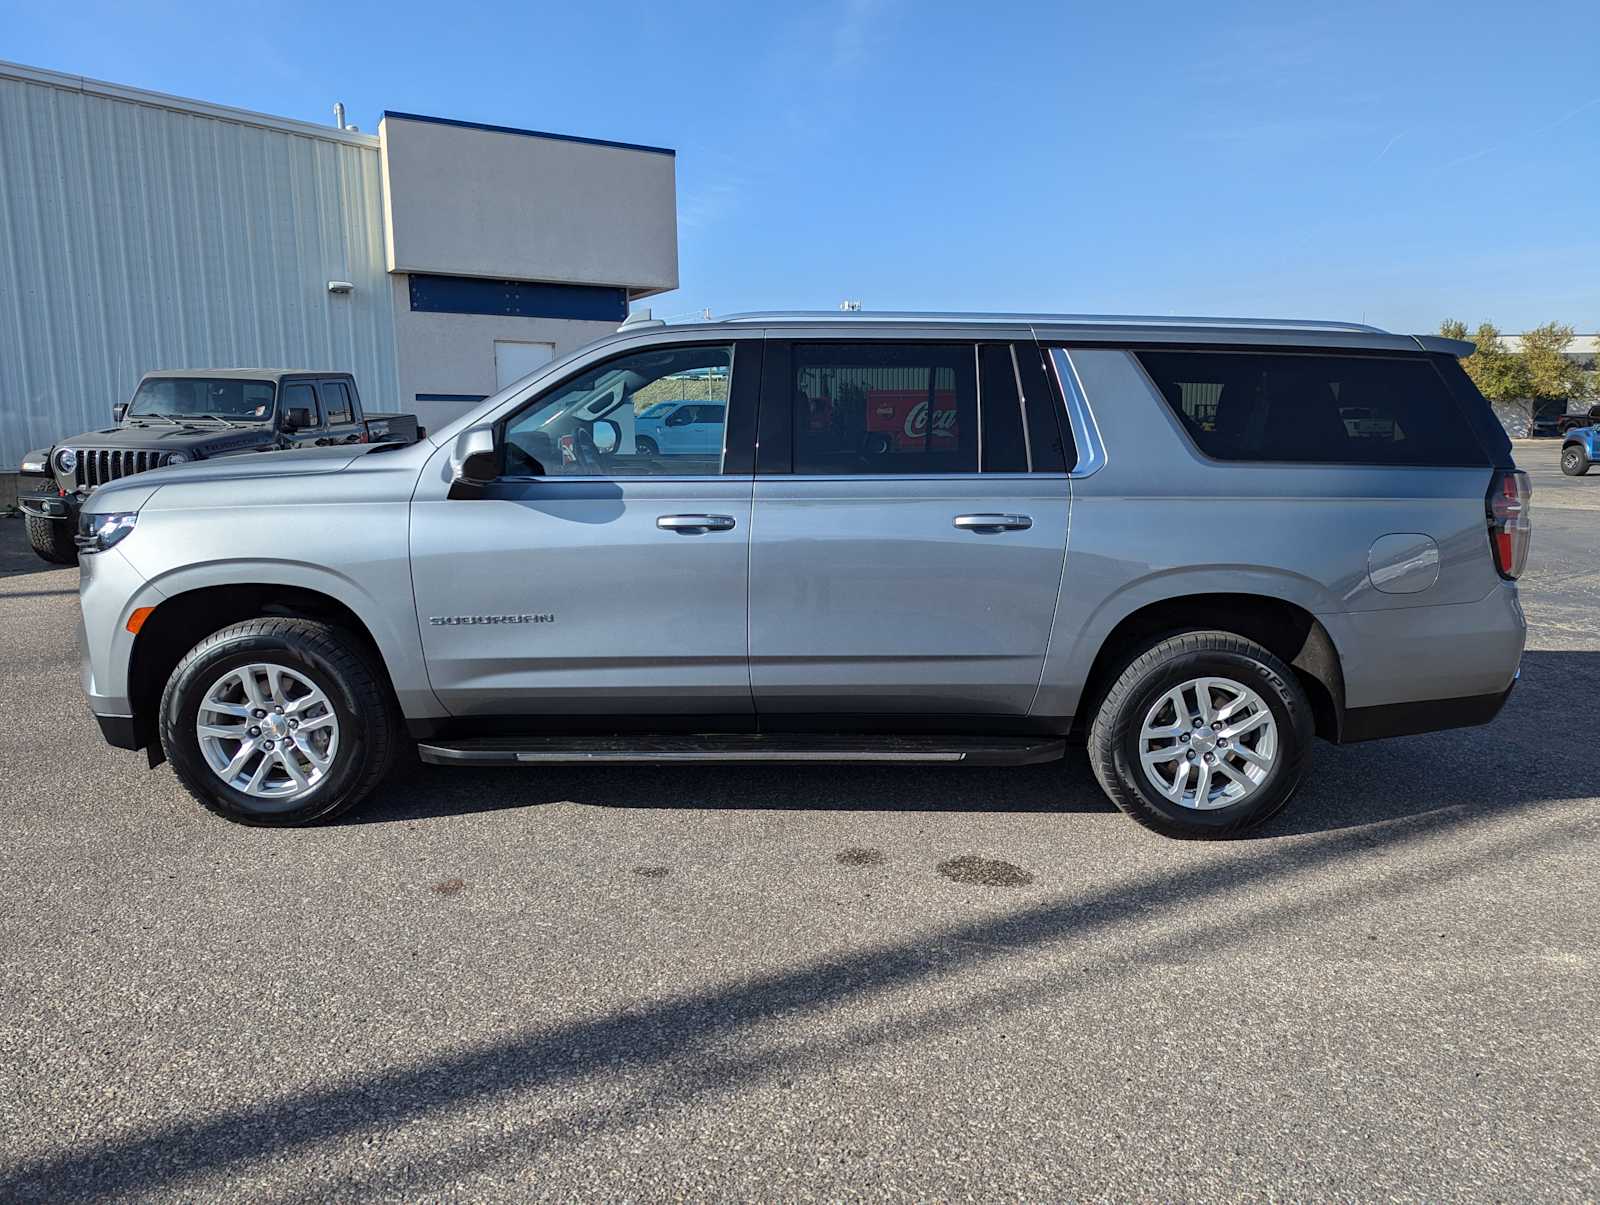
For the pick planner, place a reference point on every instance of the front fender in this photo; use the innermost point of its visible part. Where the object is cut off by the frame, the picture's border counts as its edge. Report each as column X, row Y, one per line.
column 331, row 539
column 390, row 619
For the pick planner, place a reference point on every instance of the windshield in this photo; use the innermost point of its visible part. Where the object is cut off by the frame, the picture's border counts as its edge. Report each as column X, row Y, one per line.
column 198, row 397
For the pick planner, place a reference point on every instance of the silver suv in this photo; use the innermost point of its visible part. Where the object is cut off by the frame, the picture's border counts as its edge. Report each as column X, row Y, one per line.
column 1192, row 544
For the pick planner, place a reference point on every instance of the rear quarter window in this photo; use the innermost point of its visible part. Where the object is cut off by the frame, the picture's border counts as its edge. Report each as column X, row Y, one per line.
column 1314, row 409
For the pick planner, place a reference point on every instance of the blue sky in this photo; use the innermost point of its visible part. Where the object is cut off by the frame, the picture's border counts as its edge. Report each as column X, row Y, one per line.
column 1399, row 162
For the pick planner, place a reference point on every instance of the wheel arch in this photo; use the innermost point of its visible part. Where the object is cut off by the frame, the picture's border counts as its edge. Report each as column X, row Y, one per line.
column 1285, row 628
column 182, row 620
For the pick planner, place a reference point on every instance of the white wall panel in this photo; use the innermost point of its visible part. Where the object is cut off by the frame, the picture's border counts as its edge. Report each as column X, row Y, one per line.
column 137, row 234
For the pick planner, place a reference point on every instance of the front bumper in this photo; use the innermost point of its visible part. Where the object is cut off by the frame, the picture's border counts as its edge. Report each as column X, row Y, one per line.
column 45, row 501
column 110, row 589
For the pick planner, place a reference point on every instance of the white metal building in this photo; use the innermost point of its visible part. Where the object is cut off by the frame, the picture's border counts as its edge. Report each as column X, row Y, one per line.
column 142, row 231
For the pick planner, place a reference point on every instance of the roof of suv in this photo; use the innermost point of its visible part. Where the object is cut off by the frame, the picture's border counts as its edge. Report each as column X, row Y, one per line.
column 245, row 374
column 1101, row 328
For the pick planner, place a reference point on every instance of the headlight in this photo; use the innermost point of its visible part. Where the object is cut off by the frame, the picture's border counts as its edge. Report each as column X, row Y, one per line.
column 175, row 458
column 96, row 533
column 66, row 460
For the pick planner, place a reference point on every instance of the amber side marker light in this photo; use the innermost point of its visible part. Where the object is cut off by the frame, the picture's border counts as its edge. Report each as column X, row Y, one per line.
column 136, row 620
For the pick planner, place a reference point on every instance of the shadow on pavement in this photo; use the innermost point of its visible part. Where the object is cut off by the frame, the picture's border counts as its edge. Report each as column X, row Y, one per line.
column 709, row 1041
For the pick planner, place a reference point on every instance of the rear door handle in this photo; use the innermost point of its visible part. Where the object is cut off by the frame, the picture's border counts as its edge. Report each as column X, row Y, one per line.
column 992, row 523
column 692, row 524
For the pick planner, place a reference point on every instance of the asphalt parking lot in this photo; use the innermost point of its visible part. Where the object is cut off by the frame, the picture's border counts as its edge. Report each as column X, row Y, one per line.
column 733, row 983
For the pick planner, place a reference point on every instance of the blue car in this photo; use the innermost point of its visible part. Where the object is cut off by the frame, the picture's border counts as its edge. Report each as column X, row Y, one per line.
column 1579, row 449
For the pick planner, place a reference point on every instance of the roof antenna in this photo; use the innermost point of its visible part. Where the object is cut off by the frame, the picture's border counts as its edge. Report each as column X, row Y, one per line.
column 638, row 318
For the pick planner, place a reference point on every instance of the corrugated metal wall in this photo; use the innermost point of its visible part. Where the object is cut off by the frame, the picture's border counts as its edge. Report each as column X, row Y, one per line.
column 135, row 237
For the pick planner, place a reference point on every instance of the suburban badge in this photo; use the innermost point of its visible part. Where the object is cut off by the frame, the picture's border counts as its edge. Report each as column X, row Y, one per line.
column 455, row 621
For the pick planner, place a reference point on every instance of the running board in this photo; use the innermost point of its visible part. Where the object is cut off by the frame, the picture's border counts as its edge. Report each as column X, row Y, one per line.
column 658, row 750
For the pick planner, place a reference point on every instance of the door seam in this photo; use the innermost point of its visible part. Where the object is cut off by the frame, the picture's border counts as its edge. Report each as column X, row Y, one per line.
column 1055, row 615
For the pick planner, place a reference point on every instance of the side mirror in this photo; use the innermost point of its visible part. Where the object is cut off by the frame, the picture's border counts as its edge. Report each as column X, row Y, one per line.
column 607, row 436
column 473, row 462
column 119, row 412
column 298, row 418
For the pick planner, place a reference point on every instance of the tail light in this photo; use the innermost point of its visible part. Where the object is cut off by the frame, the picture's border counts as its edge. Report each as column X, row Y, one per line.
column 1510, row 524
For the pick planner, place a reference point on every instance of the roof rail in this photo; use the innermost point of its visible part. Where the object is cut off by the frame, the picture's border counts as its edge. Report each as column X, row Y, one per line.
column 1107, row 320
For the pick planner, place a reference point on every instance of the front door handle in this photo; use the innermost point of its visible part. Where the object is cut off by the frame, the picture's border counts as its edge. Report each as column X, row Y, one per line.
column 993, row 523
column 694, row 524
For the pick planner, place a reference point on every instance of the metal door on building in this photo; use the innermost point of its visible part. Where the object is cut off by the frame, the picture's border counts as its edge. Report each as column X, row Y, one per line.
column 514, row 360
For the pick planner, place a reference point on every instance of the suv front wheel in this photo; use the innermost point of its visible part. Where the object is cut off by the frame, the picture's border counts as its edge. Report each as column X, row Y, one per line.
column 278, row 722
column 1574, row 460
column 1202, row 735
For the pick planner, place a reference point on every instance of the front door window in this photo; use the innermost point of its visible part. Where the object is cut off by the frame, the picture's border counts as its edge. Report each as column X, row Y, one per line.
column 661, row 412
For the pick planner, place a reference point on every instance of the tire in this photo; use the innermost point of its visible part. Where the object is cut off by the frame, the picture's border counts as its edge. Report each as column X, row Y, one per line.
column 1574, row 460
column 646, row 446
column 365, row 733
column 52, row 540
column 1143, row 691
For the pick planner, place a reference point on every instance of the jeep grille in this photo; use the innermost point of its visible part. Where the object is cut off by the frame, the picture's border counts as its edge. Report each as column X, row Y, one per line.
column 96, row 466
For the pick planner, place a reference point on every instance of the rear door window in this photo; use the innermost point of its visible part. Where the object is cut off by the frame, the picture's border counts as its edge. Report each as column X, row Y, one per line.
column 336, row 402
column 1316, row 409
column 884, row 408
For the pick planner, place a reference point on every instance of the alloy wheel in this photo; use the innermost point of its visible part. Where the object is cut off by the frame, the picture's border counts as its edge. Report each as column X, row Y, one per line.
column 269, row 732
column 1208, row 743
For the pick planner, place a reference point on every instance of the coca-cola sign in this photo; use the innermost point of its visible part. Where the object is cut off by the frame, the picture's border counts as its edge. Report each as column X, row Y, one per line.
column 944, row 422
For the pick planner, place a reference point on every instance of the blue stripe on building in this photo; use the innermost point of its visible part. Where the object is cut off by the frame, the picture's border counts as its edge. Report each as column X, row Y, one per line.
column 519, row 298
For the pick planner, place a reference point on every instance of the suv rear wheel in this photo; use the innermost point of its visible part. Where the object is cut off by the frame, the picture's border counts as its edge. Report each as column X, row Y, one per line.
column 278, row 722
column 1574, row 460
column 52, row 540
column 1202, row 735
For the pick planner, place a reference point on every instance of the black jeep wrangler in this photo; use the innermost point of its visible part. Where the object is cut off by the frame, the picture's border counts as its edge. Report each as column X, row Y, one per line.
column 194, row 414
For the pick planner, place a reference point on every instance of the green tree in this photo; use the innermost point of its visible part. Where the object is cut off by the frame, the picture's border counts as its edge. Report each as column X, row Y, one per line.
column 1549, row 374
column 1498, row 373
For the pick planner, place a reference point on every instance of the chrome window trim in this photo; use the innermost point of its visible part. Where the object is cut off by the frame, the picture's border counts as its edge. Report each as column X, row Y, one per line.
column 887, row 477
column 1022, row 409
column 665, row 479
column 1085, row 431
column 817, row 477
